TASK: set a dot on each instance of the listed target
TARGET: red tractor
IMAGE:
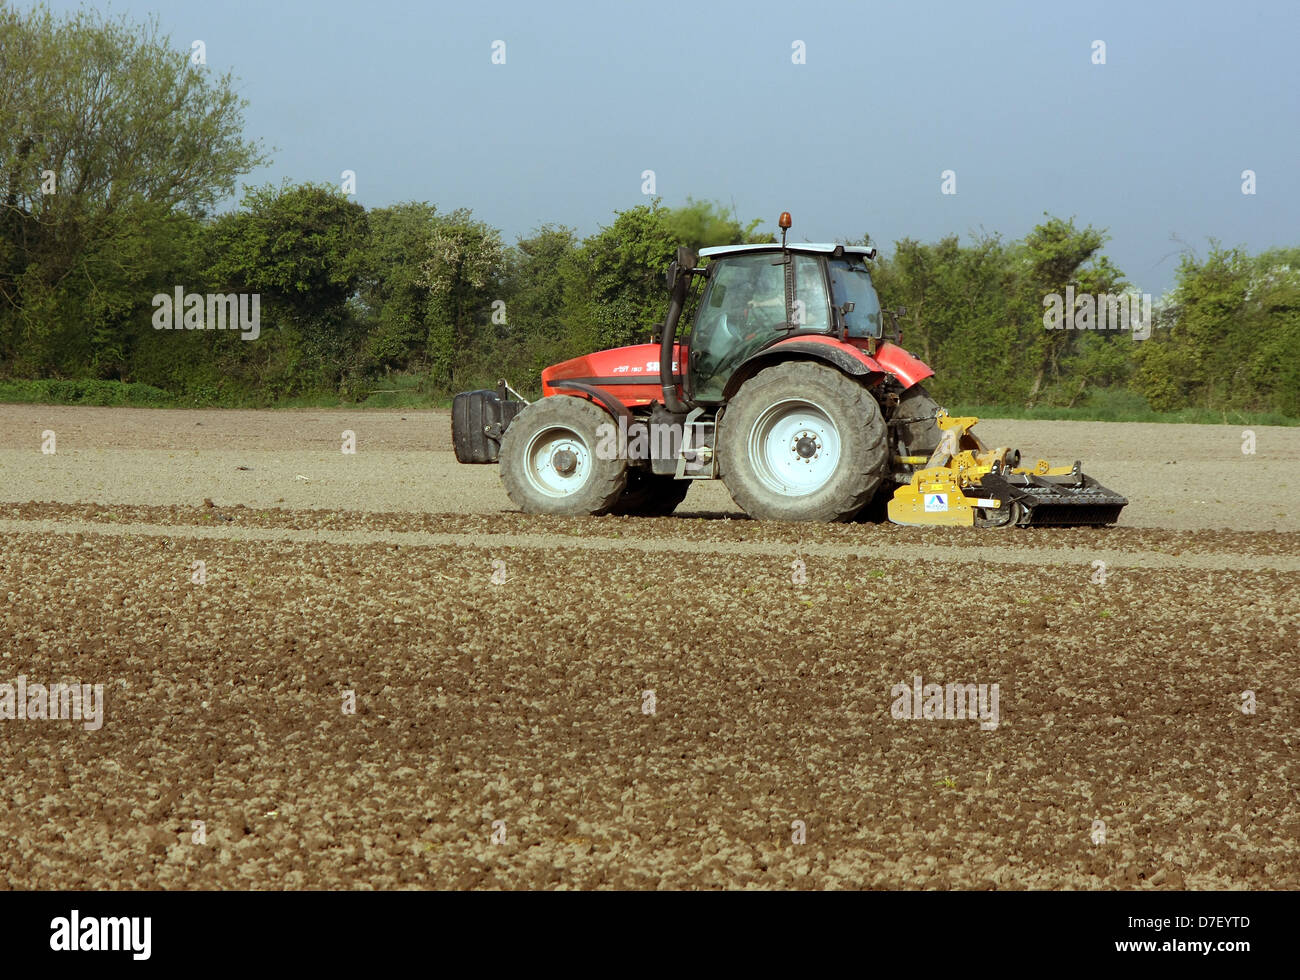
(786, 388)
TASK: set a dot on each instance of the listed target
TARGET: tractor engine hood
(625, 375)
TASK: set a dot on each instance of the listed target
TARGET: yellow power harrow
(964, 483)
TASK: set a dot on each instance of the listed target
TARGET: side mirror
(839, 318)
(671, 275)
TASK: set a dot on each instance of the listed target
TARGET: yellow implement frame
(937, 492)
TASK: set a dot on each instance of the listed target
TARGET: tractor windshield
(851, 283)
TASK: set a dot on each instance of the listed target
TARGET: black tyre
(550, 463)
(917, 436)
(650, 495)
(802, 442)
(877, 509)
(920, 433)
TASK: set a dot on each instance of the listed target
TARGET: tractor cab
(757, 295)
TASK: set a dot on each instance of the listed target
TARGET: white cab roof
(818, 247)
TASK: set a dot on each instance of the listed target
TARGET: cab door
(743, 310)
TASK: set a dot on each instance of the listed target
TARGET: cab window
(851, 283)
(810, 307)
(741, 311)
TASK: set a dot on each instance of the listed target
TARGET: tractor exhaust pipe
(679, 280)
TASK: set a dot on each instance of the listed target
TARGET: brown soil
(524, 702)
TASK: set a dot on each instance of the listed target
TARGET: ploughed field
(625, 702)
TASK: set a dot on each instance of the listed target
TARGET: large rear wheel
(802, 442)
(549, 459)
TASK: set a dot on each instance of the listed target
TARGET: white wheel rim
(547, 461)
(794, 448)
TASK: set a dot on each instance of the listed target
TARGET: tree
(108, 136)
(975, 313)
(391, 295)
(616, 287)
(301, 248)
(535, 281)
(957, 299)
(462, 261)
(1232, 333)
(1056, 255)
(700, 224)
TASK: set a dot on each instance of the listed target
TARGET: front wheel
(802, 442)
(552, 459)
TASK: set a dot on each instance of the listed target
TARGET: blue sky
(1149, 145)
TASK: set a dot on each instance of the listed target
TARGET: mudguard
(902, 365)
(851, 356)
